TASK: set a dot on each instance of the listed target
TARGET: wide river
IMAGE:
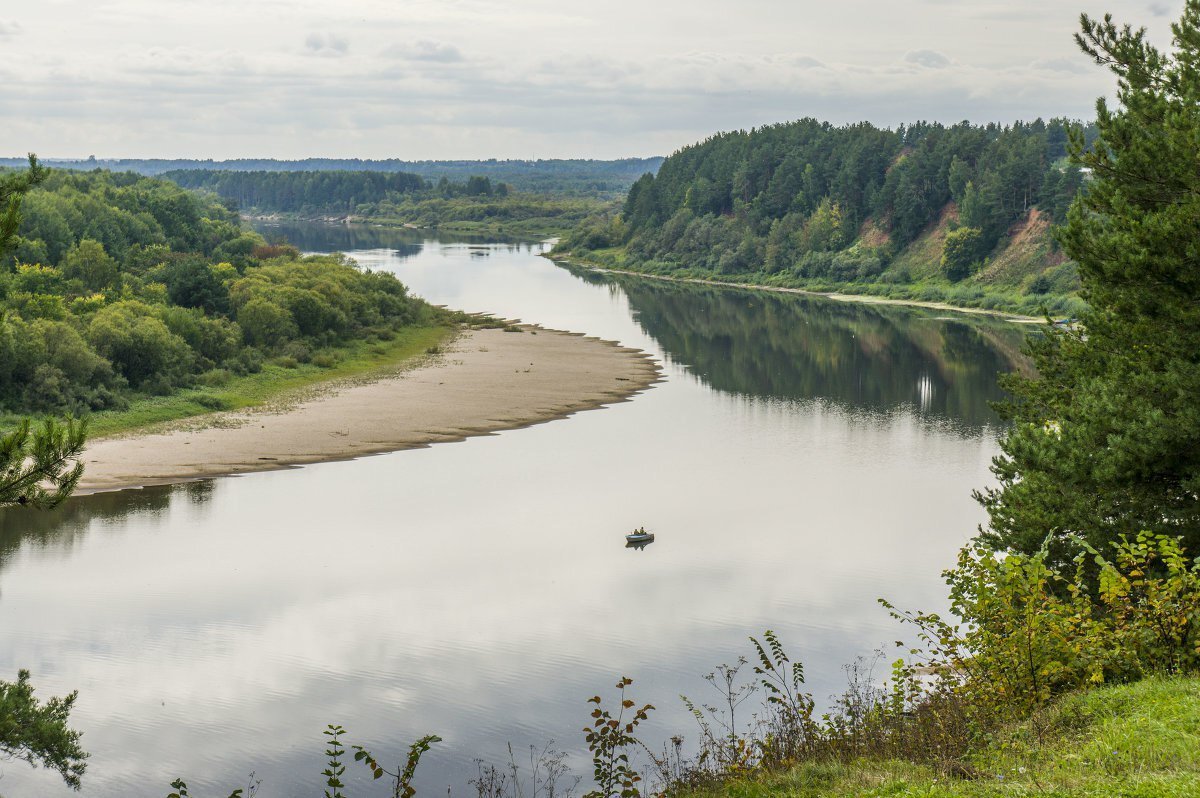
(802, 458)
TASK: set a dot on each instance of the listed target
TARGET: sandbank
(483, 382)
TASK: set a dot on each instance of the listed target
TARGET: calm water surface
(802, 458)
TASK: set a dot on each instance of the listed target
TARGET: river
(802, 458)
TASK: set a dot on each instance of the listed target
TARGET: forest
(561, 177)
(807, 202)
(120, 286)
(476, 204)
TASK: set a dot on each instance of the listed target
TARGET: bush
(1031, 630)
(139, 345)
(963, 249)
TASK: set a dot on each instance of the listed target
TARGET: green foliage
(477, 203)
(807, 187)
(558, 177)
(265, 323)
(335, 768)
(1105, 441)
(193, 283)
(964, 248)
(13, 188)
(609, 739)
(87, 262)
(1129, 741)
(1029, 630)
(138, 344)
(36, 732)
(401, 777)
(132, 299)
(39, 467)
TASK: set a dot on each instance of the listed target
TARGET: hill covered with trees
(929, 211)
(119, 287)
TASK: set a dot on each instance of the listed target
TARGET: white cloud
(425, 51)
(9, 28)
(522, 78)
(930, 59)
(327, 45)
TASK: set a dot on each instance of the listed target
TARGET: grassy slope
(275, 383)
(1129, 741)
(915, 272)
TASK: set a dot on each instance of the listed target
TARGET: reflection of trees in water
(865, 357)
(404, 242)
(313, 237)
(65, 526)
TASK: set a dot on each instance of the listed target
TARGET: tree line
(118, 285)
(561, 177)
(816, 200)
(323, 192)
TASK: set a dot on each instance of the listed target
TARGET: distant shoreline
(485, 381)
(865, 299)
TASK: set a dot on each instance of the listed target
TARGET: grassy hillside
(1131, 741)
(1026, 273)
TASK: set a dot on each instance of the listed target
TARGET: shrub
(1031, 630)
(963, 249)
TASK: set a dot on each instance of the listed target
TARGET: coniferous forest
(811, 204)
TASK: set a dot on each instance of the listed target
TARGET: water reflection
(402, 242)
(481, 590)
(862, 357)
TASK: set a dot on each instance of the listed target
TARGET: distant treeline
(320, 192)
(839, 203)
(576, 177)
(478, 204)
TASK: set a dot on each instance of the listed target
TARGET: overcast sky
(419, 79)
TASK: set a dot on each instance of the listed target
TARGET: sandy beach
(485, 381)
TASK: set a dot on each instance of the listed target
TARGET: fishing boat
(640, 535)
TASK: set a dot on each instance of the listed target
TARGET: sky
(440, 79)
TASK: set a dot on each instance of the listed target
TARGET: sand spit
(485, 381)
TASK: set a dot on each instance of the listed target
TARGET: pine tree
(1106, 440)
(13, 187)
(36, 471)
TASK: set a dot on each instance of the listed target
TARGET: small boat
(640, 535)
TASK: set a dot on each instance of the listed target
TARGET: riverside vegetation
(960, 214)
(135, 301)
(476, 206)
(1070, 662)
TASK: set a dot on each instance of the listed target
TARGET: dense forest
(121, 286)
(475, 205)
(559, 177)
(807, 201)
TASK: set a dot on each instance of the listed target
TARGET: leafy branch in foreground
(607, 740)
(13, 188)
(35, 464)
(335, 768)
(38, 733)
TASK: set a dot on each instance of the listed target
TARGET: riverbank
(1128, 740)
(867, 299)
(277, 380)
(522, 217)
(482, 382)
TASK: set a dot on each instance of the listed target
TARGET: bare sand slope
(487, 380)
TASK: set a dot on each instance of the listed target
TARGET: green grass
(1130, 741)
(278, 381)
(935, 289)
